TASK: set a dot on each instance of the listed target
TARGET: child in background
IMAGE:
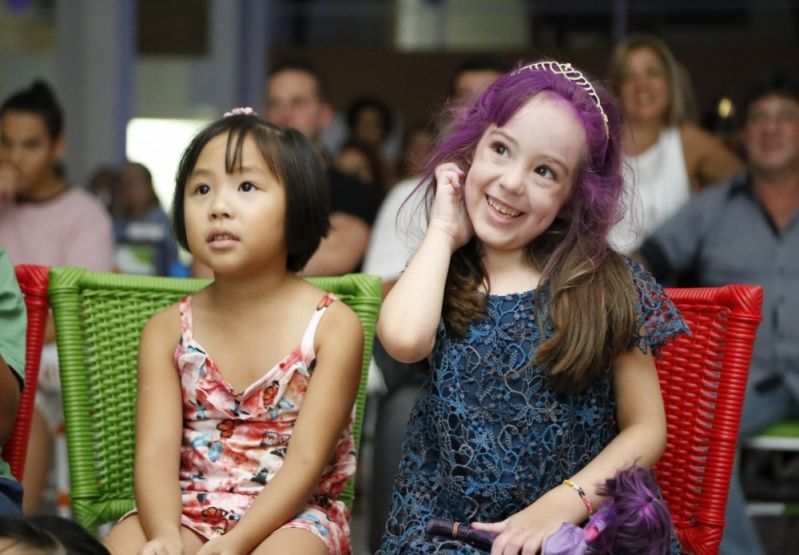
(540, 336)
(143, 238)
(241, 447)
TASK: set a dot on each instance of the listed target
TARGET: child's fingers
(490, 526)
(515, 542)
(449, 173)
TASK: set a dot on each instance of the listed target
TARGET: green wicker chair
(98, 319)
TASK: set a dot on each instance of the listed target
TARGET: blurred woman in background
(667, 157)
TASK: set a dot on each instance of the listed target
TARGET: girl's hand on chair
(449, 209)
(525, 532)
(162, 546)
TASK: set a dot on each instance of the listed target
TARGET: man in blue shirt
(747, 231)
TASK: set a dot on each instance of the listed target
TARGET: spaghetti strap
(186, 321)
(307, 345)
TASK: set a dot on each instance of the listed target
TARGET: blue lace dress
(488, 436)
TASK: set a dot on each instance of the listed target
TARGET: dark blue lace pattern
(488, 436)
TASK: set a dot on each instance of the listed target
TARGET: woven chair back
(703, 379)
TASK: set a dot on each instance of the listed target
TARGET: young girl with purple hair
(540, 336)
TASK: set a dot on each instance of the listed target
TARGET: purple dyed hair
(592, 298)
(595, 204)
(637, 521)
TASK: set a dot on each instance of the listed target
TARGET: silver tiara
(573, 75)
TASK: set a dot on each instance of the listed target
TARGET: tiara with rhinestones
(241, 111)
(574, 75)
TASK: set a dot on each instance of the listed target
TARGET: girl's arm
(708, 160)
(641, 441)
(410, 314)
(159, 427)
(325, 413)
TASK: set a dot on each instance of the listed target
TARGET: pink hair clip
(241, 111)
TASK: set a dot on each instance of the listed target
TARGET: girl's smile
(503, 210)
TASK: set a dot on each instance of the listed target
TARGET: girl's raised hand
(449, 209)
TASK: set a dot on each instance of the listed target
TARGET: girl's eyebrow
(200, 172)
(507, 136)
(558, 162)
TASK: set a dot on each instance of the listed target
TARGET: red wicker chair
(33, 283)
(703, 379)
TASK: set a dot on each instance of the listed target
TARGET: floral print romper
(234, 443)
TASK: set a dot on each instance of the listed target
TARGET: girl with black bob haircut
(250, 381)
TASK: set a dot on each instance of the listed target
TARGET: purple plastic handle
(448, 528)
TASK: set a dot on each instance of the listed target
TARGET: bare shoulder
(697, 140)
(707, 158)
(339, 321)
(163, 327)
(342, 315)
(340, 325)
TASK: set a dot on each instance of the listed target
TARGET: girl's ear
(466, 165)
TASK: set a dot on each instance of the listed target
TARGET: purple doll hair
(596, 201)
(637, 521)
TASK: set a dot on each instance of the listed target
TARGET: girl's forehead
(220, 154)
(226, 144)
(545, 113)
(21, 122)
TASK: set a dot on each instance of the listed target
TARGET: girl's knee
(292, 540)
(126, 537)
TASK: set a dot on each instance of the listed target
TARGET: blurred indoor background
(117, 65)
(137, 77)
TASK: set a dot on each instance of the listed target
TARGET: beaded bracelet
(581, 492)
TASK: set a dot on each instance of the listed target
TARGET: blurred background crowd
(118, 87)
